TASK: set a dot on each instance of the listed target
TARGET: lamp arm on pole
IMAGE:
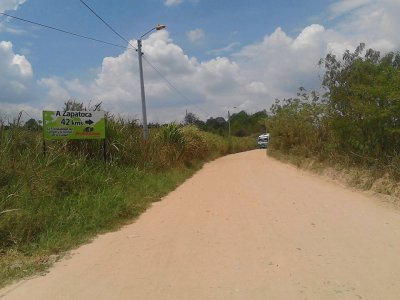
(147, 33)
(158, 27)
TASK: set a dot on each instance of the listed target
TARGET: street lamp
(140, 53)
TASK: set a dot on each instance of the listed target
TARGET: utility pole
(140, 53)
(145, 127)
(229, 122)
(265, 121)
(229, 125)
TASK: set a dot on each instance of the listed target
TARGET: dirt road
(244, 227)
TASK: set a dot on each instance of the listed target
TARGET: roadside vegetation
(354, 128)
(52, 203)
(242, 123)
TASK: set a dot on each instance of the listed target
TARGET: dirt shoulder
(245, 227)
(377, 183)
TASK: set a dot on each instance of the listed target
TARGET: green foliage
(196, 144)
(364, 103)
(192, 119)
(298, 125)
(172, 143)
(217, 125)
(356, 121)
(242, 124)
(172, 134)
(32, 124)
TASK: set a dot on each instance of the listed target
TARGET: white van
(262, 141)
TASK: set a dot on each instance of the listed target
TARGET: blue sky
(225, 22)
(217, 54)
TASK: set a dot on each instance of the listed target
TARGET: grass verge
(113, 198)
(373, 180)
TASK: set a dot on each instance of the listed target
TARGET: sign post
(74, 125)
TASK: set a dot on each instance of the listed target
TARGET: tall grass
(54, 202)
(301, 134)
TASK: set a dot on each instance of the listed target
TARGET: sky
(214, 55)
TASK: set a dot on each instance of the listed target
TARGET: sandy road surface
(244, 227)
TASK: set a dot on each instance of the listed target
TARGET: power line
(66, 32)
(108, 25)
(27, 114)
(172, 86)
(104, 42)
(124, 39)
(163, 77)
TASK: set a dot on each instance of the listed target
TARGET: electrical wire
(172, 86)
(66, 32)
(27, 114)
(108, 25)
(99, 41)
(104, 42)
(151, 65)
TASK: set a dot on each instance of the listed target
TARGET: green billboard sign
(74, 125)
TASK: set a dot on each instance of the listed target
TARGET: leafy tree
(357, 119)
(298, 124)
(216, 125)
(74, 105)
(192, 119)
(244, 124)
(364, 102)
(32, 125)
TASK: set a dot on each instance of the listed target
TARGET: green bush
(355, 122)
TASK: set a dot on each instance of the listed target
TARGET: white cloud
(6, 5)
(375, 23)
(10, 4)
(257, 87)
(8, 29)
(117, 83)
(9, 112)
(55, 88)
(15, 75)
(345, 6)
(196, 35)
(277, 66)
(311, 35)
(172, 2)
(227, 49)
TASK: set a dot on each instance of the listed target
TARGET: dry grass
(364, 179)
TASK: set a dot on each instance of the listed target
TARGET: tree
(364, 102)
(216, 125)
(192, 119)
(32, 125)
(297, 125)
(74, 105)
